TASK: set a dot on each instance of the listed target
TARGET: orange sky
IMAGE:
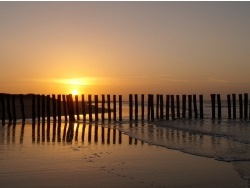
(124, 47)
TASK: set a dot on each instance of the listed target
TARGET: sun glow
(75, 92)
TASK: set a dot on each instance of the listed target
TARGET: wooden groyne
(88, 107)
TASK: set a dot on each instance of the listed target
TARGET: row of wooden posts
(65, 106)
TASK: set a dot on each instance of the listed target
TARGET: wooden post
(33, 108)
(22, 107)
(43, 108)
(65, 108)
(90, 107)
(195, 107)
(8, 108)
(201, 106)
(213, 105)
(3, 107)
(130, 106)
(184, 97)
(142, 106)
(136, 107)
(77, 108)
(152, 107)
(149, 96)
(234, 106)
(229, 106)
(120, 107)
(38, 98)
(157, 105)
(96, 108)
(167, 106)
(48, 107)
(161, 106)
(219, 105)
(109, 109)
(54, 106)
(83, 108)
(178, 106)
(103, 107)
(172, 107)
(114, 107)
(241, 106)
(245, 106)
(190, 106)
(59, 113)
(13, 107)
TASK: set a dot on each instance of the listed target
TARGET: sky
(125, 47)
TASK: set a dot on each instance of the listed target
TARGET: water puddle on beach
(121, 154)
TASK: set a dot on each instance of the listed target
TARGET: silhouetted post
(157, 105)
(201, 106)
(213, 105)
(229, 106)
(13, 100)
(114, 107)
(48, 107)
(120, 107)
(167, 106)
(103, 107)
(83, 108)
(109, 109)
(54, 106)
(38, 98)
(65, 108)
(59, 113)
(241, 106)
(8, 108)
(136, 107)
(142, 106)
(234, 106)
(3, 107)
(245, 105)
(178, 105)
(130, 106)
(77, 108)
(161, 106)
(149, 106)
(152, 107)
(90, 107)
(195, 107)
(190, 106)
(96, 108)
(33, 107)
(219, 105)
(43, 108)
(184, 98)
(22, 107)
(172, 107)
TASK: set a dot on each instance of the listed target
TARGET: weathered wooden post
(190, 106)
(120, 107)
(213, 105)
(167, 106)
(172, 107)
(195, 107)
(149, 108)
(13, 100)
(96, 108)
(54, 106)
(142, 106)
(184, 97)
(152, 107)
(22, 107)
(136, 107)
(48, 107)
(241, 106)
(234, 106)
(130, 106)
(8, 108)
(178, 105)
(43, 108)
(161, 106)
(77, 108)
(38, 98)
(103, 107)
(109, 108)
(114, 107)
(65, 108)
(219, 105)
(33, 108)
(245, 105)
(201, 106)
(229, 106)
(90, 107)
(83, 108)
(157, 105)
(3, 107)
(59, 113)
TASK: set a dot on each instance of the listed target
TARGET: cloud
(218, 80)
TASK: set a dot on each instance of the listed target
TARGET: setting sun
(75, 92)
